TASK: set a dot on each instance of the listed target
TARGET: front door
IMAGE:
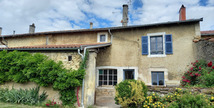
(128, 74)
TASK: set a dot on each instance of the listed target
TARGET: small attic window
(102, 37)
(69, 58)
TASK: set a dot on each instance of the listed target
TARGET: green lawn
(10, 105)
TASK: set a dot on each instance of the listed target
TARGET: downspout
(111, 35)
(83, 84)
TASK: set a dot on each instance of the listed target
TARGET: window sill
(156, 56)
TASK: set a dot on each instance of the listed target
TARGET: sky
(54, 15)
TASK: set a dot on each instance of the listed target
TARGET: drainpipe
(111, 35)
(83, 84)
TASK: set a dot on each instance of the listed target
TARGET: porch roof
(57, 47)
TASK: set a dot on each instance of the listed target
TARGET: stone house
(157, 54)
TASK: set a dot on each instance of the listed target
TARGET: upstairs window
(102, 37)
(157, 45)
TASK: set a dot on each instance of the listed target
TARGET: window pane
(110, 77)
(110, 72)
(156, 45)
(161, 78)
(100, 83)
(160, 45)
(100, 77)
(129, 74)
(115, 72)
(152, 45)
(115, 77)
(100, 71)
(105, 77)
(102, 38)
(115, 82)
(154, 78)
(110, 83)
(105, 83)
(105, 72)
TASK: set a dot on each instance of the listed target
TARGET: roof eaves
(38, 49)
(211, 34)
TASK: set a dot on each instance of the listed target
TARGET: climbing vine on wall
(23, 67)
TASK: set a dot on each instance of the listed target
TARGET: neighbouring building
(157, 54)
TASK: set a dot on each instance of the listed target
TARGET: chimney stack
(32, 28)
(0, 31)
(91, 25)
(182, 13)
(125, 15)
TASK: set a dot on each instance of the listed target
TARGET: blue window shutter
(168, 44)
(144, 45)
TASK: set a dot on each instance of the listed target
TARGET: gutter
(207, 34)
(38, 49)
(111, 35)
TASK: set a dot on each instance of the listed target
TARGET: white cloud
(154, 11)
(51, 15)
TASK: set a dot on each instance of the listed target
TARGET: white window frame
(102, 33)
(156, 34)
(107, 77)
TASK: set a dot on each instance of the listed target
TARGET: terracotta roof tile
(207, 32)
(72, 46)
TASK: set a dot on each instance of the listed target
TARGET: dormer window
(102, 37)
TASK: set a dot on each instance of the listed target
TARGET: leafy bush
(23, 96)
(130, 93)
(22, 67)
(201, 73)
(189, 100)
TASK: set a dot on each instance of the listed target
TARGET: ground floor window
(157, 78)
(128, 74)
(107, 77)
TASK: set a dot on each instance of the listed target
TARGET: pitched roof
(105, 29)
(206, 33)
(57, 47)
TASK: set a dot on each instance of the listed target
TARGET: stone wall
(105, 91)
(205, 50)
(165, 90)
(63, 57)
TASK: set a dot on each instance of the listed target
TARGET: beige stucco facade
(56, 39)
(126, 51)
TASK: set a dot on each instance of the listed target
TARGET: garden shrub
(22, 67)
(130, 93)
(22, 96)
(200, 74)
(189, 100)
